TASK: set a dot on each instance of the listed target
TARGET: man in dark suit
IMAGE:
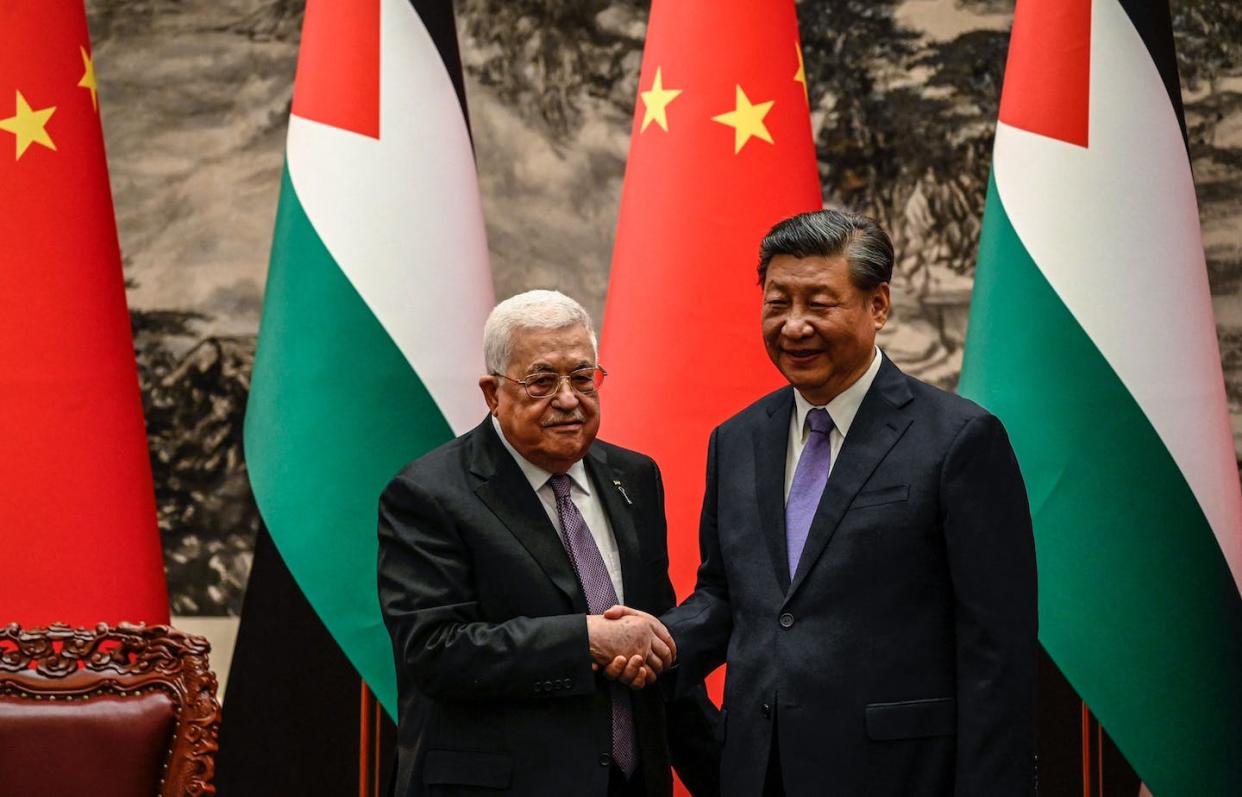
(499, 552)
(867, 557)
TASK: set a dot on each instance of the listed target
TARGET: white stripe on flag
(402, 217)
(1115, 229)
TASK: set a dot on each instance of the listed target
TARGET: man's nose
(795, 325)
(564, 397)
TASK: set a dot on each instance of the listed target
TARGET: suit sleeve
(693, 720)
(991, 551)
(439, 636)
(701, 625)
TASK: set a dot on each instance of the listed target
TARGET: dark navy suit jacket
(900, 659)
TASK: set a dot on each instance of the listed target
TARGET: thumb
(615, 613)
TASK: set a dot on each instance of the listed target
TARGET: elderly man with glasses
(499, 553)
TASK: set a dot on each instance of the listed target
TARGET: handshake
(630, 646)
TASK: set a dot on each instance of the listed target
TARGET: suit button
(786, 620)
(766, 711)
(605, 760)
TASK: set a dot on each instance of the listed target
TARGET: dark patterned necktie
(809, 480)
(600, 594)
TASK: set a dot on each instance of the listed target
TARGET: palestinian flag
(77, 506)
(370, 347)
(1091, 335)
(720, 150)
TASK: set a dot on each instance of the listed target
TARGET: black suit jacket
(487, 619)
(900, 659)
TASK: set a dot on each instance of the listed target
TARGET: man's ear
(880, 304)
(489, 385)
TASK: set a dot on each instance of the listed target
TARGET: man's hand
(657, 628)
(621, 668)
(632, 646)
(632, 672)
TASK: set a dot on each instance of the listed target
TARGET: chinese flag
(720, 151)
(77, 509)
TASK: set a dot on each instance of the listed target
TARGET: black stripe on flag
(437, 17)
(1152, 21)
(291, 709)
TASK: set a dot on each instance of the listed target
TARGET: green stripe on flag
(335, 410)
(1136, 602)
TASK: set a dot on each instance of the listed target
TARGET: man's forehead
(809, 273)
(537, 349)
(558, 364)
(788, 267)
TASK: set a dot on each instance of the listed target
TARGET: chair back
(110, 712)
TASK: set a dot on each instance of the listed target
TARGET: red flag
(77, 508)
(720, 151)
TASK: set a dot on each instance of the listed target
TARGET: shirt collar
(844, 407)
(536, 475)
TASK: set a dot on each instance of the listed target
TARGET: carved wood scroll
(63, 662)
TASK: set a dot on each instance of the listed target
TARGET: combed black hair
(828, 233)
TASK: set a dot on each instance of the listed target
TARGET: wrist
(595, 633)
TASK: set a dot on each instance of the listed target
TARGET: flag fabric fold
(721, 150)
(77, 504)
(369, 349)
(1092, 336)
(371, 338)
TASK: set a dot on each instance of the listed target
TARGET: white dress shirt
(841, 409)
(584, 497)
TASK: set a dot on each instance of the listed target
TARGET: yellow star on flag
(88, 79)
(746, 120)
(656, 100)
(29, 126)
(800, 75)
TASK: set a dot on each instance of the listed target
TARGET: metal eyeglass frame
(597, 383)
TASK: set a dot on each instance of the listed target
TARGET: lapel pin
(621, 490)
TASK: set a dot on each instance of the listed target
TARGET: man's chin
(568, 441)
(562, 454)
(811, 384)
(804, 375)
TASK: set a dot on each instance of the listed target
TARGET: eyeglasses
(584, 381)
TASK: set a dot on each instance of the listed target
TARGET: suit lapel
(771, 445)
(877, 427)
(608, 483)
(505, 490)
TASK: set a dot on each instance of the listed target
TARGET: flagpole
(1086, 750)
(1099, 752)
(364, 741)
(377, 745)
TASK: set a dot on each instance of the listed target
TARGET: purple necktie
(808, 485)
(600, 595)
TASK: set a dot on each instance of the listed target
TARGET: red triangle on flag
(1048, 75)
(338, 80)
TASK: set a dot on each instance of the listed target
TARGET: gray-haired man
(499, 553)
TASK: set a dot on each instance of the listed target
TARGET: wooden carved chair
(128, 711)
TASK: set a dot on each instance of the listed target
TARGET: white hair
(531, 310)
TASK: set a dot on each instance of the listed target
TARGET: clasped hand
(630, 646)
